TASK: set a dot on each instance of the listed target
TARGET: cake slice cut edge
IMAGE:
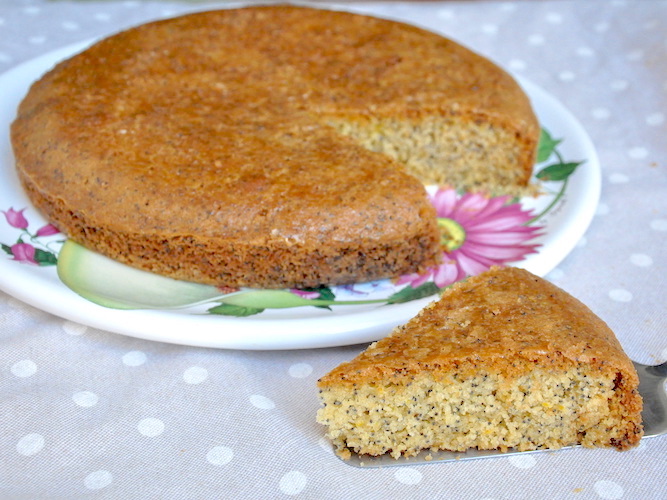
(503, 360)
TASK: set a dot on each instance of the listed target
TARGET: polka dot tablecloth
(85, 413)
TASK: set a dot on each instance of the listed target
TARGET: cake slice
(503, 360)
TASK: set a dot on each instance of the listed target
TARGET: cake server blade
(654, 417)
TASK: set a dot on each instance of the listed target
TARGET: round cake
(269, 146)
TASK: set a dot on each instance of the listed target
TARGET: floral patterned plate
(38, 266)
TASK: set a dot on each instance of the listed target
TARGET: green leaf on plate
(326, 294)
(112, 284)
(408, 293)
(546, 146)
(268, 299)
(234, 310)
(7, 249)
(558, 171)
(44, 258)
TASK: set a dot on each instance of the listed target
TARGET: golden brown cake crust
(199, 147)
(499, 314)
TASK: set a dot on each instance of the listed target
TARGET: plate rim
(259, 332)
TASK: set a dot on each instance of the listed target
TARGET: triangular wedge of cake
(502, 360)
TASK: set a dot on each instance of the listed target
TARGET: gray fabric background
(89, 414)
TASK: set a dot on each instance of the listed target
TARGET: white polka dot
(5, 58)
(601, 113)
(523, 461)
(508, 7)
(98, 480)
(536, 39)
(220, 455)
(262, 402)
(37, 40)
(151, 427)
(85, 399)
(641, 260)
(583, 241)
(659, 224)
(72, 328)
(554, 18)
(620, 295)
(602, 209)
(134, 358)
(70, 25)
(408, 475)
(24, 368)
(618, 178)
(489, 29)
(102, 16)
(131, 3)
(566, 76)
(195, 375)
(293, 482)
(445, 14)
(516, 64)
(30, 444)
(300, 370)
(601, 27)
(619, 85)
(585, 52)
(31, 11)
(655, 119)
(637, 153)
(652, 24)
(608, 490)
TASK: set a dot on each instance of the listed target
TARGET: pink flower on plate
(15, 218)
(477, 232)
(48, 230)
(24, 252)
(305, 294)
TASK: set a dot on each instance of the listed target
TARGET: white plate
(304, 327)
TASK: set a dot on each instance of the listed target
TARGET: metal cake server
(654, 415)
